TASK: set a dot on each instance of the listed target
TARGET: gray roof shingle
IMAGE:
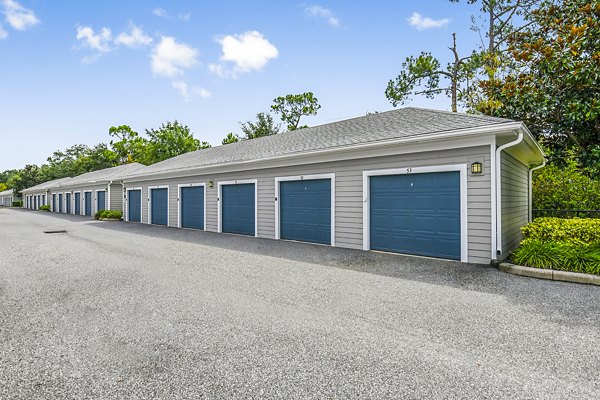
(104, 175)
(395, 124)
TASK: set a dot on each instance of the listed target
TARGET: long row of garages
(368, 183)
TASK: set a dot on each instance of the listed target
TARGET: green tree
(555, 85)
(127, 144)
(565, 188)
(458, 79)
(230, 138)
(170, 140)
(24, 178)
(293, 107)
(6, 175)
(264, 126)
(3, 186)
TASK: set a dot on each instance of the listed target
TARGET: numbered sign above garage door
(419, 213)
(237, 207)
(159, 206)
(305, 208)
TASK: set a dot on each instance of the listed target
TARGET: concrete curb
(550, 274)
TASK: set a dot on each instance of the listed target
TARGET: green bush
(560, 230)
(565, 188)
(44, 208)
(561, 244)
(17, 204)
(112, 214)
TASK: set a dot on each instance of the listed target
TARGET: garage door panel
(238, 209)
(101, 198)
(305, 210)
(78, 203)
(416, 214)
(159, 200)
(134, 205)
(192, 207)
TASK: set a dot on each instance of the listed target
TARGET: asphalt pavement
(113, 310)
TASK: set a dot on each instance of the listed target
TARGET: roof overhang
(430, 142)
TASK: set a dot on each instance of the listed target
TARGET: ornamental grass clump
(561, 244)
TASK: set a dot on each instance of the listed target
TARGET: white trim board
(150, 189)
(126, 202)
(278, 180)
(219, 202)
(184, 185)
(462, 168)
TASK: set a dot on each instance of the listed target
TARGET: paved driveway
(116, 310)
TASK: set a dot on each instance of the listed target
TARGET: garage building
(39, 195)
(412, 181)
(7, 198)
(91, 192)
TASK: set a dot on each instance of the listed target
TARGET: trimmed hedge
(561, 244)
(570, 231)
(44, 208)
(112, 214)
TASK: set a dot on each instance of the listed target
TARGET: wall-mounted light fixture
(476, 168)
(211, 184)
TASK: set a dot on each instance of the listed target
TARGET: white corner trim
(150, 188)
(464, 227)
(280, 179)
(184, 185)
(220, 203)
(126, 201)
(498, 232)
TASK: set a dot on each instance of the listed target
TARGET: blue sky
(71, 69)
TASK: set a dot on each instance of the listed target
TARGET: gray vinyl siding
(349, 194)
(116, 197)
(515, 201)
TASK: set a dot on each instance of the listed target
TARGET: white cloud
(135, 38)
(99, 42)
(170, 58)
(17, 16)
(248, 51)
(184, 17)
(187, 93)
(160, 12)
(3, 33)
(320, 12)
(422, 23)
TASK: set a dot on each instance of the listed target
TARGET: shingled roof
(104, 175)
(46, 185)
(395, 124)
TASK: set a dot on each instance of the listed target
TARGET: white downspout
(108, 195)
(499, 191)
(543, 164)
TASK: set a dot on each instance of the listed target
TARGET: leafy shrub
(566, 188)
(17, 204)
(44, 208)
(561, 244)
(570, 231)
(112, 214)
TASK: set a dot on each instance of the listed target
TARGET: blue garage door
(44, 199)
(159, 199)
(87, 203)
(78, 203)
(38, 201)
(68, 203)
(238, 209)
(305, 210)
(416, 214)
(192, 207)
(134, 205)
(101, 200)
(34, 202)
(60, 202)
(54, 202)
